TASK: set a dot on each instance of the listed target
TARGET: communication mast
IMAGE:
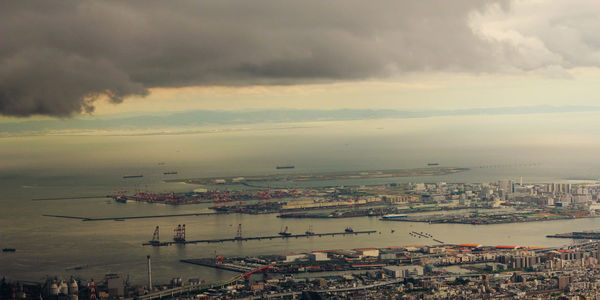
(93, 291)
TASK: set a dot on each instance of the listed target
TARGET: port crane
(155, 236)
(218, 259)
(156, 239)
(179, 234)
(310, 230)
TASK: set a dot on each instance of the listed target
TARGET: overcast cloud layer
(57, 57)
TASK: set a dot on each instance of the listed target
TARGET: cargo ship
(120, 199)
(433, 164)
(170, 173)
(393, 216)
(285, 167)
(133, 176)
(9, 250)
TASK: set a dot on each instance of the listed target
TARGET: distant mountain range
(208, 117)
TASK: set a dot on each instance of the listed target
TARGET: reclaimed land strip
(135, 217)
(65, 217)
(325, 176)
(258, 238)
(71, 198)
(577, 235)
(369, 212)
(481, 222)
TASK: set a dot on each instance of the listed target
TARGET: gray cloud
(57, 57)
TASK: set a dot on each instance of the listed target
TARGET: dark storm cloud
(57, 57)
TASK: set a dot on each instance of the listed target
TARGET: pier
(137, 217)
(71, 198)
(258, 238)
(577, 235)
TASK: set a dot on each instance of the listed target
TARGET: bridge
(172, 292)
(188, 289)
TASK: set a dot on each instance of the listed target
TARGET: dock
(86, 219)
(71, 198)
(258, 238)
(577, 235)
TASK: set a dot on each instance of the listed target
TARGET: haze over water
(56, 166)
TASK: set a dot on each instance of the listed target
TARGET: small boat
(121, 199)
(170, 173)
(285, 167)
(76, 268)
(133, 176)
(9, 250)
(433, 164)
(349, 229)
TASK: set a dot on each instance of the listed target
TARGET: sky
(91, 60)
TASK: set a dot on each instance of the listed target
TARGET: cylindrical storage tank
(73, 287)
(63, 288)
(53, 289)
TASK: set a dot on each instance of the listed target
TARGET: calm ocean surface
(56, 166)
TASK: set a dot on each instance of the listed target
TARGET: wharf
(136, 217)
(71, 198)
(258, 238)
(576, 235)
(487, 219)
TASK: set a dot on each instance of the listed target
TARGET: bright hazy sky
(64, 59)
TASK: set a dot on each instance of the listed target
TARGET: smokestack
(149, 274)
